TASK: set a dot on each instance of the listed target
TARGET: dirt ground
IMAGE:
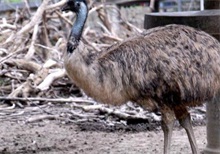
(59, 137)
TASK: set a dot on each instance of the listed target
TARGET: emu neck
(76, 31)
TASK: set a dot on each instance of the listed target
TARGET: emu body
(175, 65)
(170, 68)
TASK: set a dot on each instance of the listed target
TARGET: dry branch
(6, 25)
(11, 55)
(113, 111)
(64, 18)
(49, 63)
(31, 50)
(56, 5)
(8, 108)
(57, 100)
(35, 19)
(42, 117)
(25, 64)
(50, 79)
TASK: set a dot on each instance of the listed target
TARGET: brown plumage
(169, 68)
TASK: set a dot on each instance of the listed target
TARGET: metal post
(201, 5)
(213, 126)
(213, 107)
(179, 5)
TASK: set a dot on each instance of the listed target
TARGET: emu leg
(167, 123)
(187, 125)
(185, 121)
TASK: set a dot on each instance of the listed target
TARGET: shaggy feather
(175, 64)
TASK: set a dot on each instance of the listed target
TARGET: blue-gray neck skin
(77, 28)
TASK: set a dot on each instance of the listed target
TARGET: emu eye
(78, 4)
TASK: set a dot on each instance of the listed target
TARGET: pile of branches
(31, 49)
(32, 44)
(31, 64)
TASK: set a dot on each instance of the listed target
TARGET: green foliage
(12, 1)
(1, 81)
(4, 81)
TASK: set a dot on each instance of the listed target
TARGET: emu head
(73, 5)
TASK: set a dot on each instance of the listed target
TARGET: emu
(168, 68)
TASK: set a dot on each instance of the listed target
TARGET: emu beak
(65, 7)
